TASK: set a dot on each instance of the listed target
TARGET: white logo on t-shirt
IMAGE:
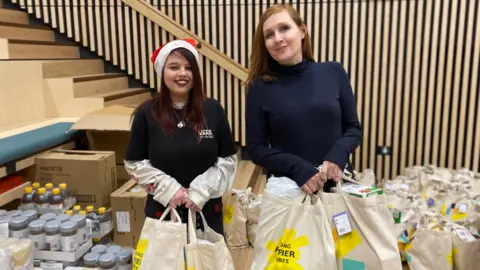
(206, 134)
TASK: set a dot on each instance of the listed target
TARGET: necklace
(180, 124)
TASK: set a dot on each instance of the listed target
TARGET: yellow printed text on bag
(141, 248)
(286, 252)
(228, 215)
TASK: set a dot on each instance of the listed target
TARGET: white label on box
(342, 223)
(51, 266)
(404, 186)
(123, 221)
(462, 208)
(4, 230)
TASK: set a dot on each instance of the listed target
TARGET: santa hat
(160, 55)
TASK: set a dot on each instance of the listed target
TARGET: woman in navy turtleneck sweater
(299, 114)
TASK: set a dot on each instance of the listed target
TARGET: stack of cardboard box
(98, 177)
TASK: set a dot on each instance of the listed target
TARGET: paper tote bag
(166, 245)
(206, 250)
(148, 230)
(371, 242)
(466, 254)
(235, 221)
(293, 235)
(430, 250)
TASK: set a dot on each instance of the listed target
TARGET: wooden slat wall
(125, 38)
(414, 64)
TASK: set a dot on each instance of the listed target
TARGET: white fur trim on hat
(167, 49)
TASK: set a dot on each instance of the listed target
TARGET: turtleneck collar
(277, 68)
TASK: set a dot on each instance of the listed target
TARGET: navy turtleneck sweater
(306, 116)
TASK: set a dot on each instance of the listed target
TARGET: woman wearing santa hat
(181, 147)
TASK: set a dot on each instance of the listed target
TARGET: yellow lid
(101, 210)
(28, 190)
(63, 186)
(77, 207)
(48, 185)
(41, 190)
(69, 212)
(89, 208)
(82, 213)
(56, 191)
(36, 185)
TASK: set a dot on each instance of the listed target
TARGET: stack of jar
(47, 199)
(49, 231)
(99, 221)
(112, 257)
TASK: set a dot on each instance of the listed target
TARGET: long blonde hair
(258, 67)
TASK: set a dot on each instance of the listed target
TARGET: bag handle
(192, 221)
(173, 215)
(345, 176)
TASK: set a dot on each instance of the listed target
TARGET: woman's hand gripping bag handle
(161, 242)
(206, 250)
(362, 228)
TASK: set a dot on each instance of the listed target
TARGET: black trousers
(212, 211)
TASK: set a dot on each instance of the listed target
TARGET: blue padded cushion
(27, 143)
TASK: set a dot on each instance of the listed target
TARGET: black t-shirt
(180, 155)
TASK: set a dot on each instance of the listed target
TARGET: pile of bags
(436, 212)
(429, 218)
(350, 229)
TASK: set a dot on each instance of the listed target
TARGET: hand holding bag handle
(346, 176)
(174, 216)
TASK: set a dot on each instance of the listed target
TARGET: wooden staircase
(71, 86)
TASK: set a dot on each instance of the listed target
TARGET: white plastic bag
(284, 187)
(16, 254)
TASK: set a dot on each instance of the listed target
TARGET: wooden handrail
(176, 29)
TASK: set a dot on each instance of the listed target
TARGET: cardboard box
(122, 176)
(90, 175)
(128, 214)
(361, 191)
(108, 129)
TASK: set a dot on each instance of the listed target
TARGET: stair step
(96, 84)
(96, 77)
(69, 68)
(29, 49)
(133, 100)
(17, 31)
(13, 16)
(118, 94)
